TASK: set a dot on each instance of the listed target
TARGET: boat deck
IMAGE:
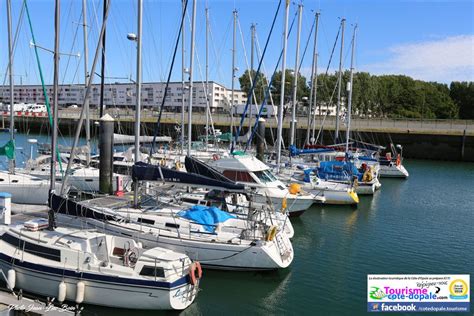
(110, 201)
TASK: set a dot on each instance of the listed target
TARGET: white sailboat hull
(224, 256)
(337, 197)
(296, 204)
(26, 189)
(393, 171)
(45, 281)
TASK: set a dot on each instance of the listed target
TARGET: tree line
(388, 96)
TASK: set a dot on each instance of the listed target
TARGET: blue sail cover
(296, 152)
(338, 170)
(307, 174)
(208, 217)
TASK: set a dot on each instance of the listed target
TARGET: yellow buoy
(283, 204)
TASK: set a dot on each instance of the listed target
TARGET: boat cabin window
(158, 272)
(145, 221)
(34, 249)
(239, 176)
(265, 176)
(172, 225)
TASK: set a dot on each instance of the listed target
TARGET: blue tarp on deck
(208, 217)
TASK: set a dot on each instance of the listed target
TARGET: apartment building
(123, 95)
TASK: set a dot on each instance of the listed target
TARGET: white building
(122, 95)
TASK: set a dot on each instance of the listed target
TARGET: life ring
(398, 160)
(130, 257)
(194, 268)
(215, 157)
(271, 233)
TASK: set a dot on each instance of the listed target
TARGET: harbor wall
(419, 144)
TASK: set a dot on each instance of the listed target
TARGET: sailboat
(19, 185)
(252, 172)
(87, 266)
(91, 267)
(221, 241)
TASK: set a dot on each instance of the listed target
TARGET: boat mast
(51, 221)
(349, 89)
(207, 77)
(102, 67)
(338, 106)
(282, 94)
(191, 62)
(183, 75)
(252, 49)
(138, 95)
(295, 79)
(234, 36)
(11, 163)
(86, 77)
(86, 100)
(314, 85)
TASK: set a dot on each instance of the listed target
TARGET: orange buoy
(294, 188)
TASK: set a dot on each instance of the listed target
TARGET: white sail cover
(130, 139)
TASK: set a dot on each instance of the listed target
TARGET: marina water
(422, 225)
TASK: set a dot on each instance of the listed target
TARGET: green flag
(8, 150)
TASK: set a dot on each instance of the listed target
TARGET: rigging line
(333, 48)
(242, 119)
(157, 51)
(157, 126)
(71, 50)
(266, 84)
(306, 46)
(254, 129)
(63, 38)
(15, 41)
(246, 58)
(330, 101)
(206, 91)
(327, 112)
(264, 68)
(218, 54)
(124, 57)
(45, 94)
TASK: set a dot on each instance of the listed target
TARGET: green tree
(462, 94)
(260, 85)
(302, 88)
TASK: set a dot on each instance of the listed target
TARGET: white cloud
(443, 60)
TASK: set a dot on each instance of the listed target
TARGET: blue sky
(428, 40)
